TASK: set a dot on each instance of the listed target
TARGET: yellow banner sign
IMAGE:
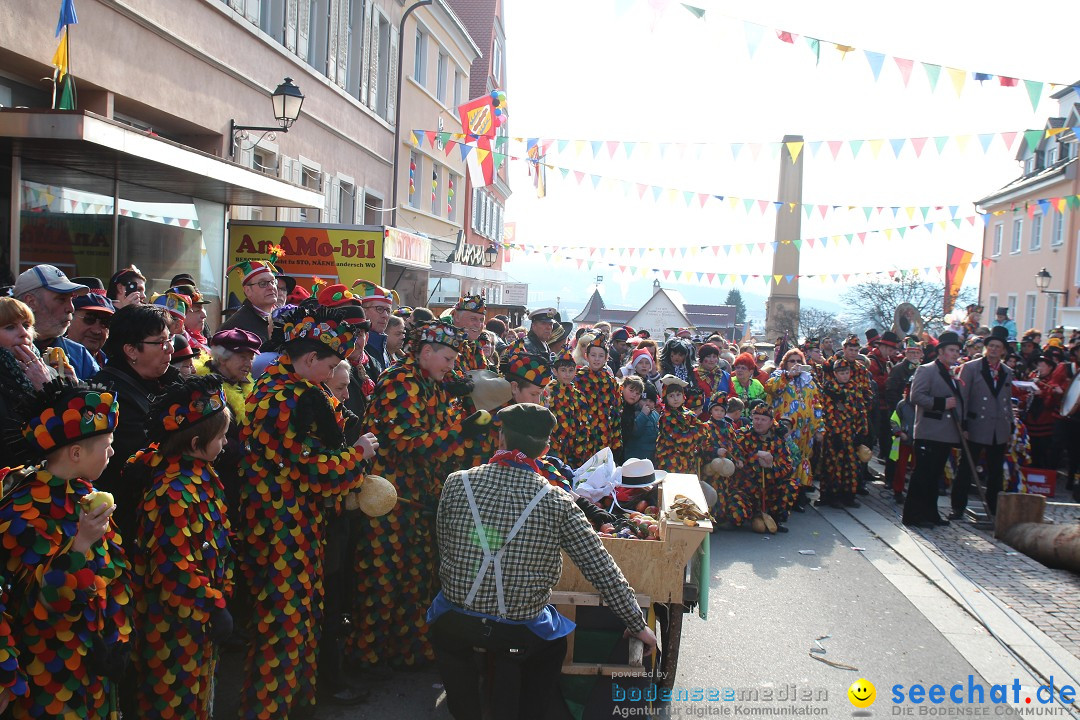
(333, 253)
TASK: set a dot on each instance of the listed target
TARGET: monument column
(782, 310)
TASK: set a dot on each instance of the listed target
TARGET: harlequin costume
(797, 399)
(603, 403)
(297, 457)
(471, 357)
(720, 436)
(419, 431)
(61, 603)
(708, 383)
(682, 437)
(778, 483)
(567, 404)
(182, 562)
(843, 414)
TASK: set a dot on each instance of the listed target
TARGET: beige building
(438, 53)
(1028, 231)
(142, 172)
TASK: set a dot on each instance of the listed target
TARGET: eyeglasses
(263, 284)
(95, 319)
(165, 344)
(381, 310)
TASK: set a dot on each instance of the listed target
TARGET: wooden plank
(560, 599)
(606, 670)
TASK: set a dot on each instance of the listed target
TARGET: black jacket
(248, 318)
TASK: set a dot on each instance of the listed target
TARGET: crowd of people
(232, 458)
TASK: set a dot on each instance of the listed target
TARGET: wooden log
(1015, 508)
(1056, 546)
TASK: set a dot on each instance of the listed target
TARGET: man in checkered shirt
(496, 582)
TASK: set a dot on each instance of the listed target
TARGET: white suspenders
(495, 559)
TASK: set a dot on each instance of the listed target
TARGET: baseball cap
(94, 302)
(48, 277)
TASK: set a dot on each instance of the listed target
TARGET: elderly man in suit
(938, 403)
(986, 388)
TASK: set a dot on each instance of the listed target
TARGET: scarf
(515, 459)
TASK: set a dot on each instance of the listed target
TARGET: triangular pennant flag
(940, 142)
(565, 172)
(777, 278)
(962, 142)
(656, 191)
(431, 136)
(918, 144)
(1010, 137)
(789, 278)
(958, 77)
(933, 72)
(702, 198)
(815, 47)
(612, 146)
(628, 148)
(579, 147)
(1034, 91)
(415, 138)
(595, 181)
(641, 188)
(875, 147)
(904, 66)
(561, 145)
(897, 145)
(985, 139)
(1032, 138)
(875, 59)
(856, 146)
(735, 148)
(753, 36)
(794, 148)
(579, 176)
(834, 147)
(596, 146)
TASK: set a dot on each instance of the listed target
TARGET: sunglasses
(95, 318)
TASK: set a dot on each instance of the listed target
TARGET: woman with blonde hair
(22, 371)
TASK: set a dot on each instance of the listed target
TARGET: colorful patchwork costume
(182, 566)
(797, 399)
(297, 457)
(778, 482)
(603, 404)
(61, 603)
(844, 416)
(681, 441)
(419, 431)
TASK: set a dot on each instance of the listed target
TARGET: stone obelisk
(782, 309)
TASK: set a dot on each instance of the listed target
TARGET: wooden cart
(657, 571)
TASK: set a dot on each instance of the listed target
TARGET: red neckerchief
(515, 458)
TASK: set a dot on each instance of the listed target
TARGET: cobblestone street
(1048, 598)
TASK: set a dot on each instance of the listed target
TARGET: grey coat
(988, 416)
(931, 386)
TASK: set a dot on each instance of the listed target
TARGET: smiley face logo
(862, 693)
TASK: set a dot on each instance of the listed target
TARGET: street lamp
(1042, 281)
(491, 255)
(397, 104)
(287, 100)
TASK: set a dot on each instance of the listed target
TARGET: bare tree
(873, 304)
(817, 323)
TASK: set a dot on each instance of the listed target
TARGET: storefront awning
(64, 148)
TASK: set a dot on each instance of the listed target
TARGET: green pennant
(1073, 201)
(797, 244)
(933, 72)
(850, 238)
(815, 47)
(695, 11)
(856, 146)
(1032, 138)
(1034, 90)
(940, 141)
(868, 211)
(901, 230)
(444, 137)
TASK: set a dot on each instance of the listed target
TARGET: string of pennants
(875, 60)
(598, 149)
(720, 278)
(42, 200)
(692, 198)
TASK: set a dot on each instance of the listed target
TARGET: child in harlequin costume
(793, 396)
(764, 473)
(567, 404)
(297, 457)
(419, 428)
(720, 435)
(682, 437)
(744, 385)
(973, 319)
(709, 378)
(182, 557)
(70, 598)
(840, 464)
(602, 398)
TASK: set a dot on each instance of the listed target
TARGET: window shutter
(251, 12)
(391, 83)
(474, 205)
(367, 50)
(359, 203)
(373, 65)
(343, 45)
(333, 41)
(292, 9)
(332, 201)
(297, 178)
(303, 30)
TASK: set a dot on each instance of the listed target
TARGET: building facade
(1033, 227)
(147, 170)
